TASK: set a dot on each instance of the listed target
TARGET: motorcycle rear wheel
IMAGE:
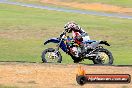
(102, 55)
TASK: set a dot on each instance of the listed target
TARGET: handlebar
(63, 33)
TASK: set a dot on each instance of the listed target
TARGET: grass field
(1, 86)
(23, 31)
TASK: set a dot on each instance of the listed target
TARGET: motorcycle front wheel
(50, 56)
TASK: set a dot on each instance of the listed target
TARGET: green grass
(23, 31)
(2, 86)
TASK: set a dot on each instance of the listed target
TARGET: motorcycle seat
(89, 41)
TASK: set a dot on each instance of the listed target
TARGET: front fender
(53, 40)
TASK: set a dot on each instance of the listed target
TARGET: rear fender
(104, 42)
(95, 44)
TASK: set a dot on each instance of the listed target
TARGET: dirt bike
(94, 51)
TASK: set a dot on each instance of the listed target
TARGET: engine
(76, 51)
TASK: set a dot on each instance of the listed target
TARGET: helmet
(71, 26)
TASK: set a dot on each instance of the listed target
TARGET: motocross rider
(78, 34)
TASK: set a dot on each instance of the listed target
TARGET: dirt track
(37, 75)
(90, 6)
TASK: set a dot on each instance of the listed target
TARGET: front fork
(58, 46)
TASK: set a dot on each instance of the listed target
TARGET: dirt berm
(40, 75)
